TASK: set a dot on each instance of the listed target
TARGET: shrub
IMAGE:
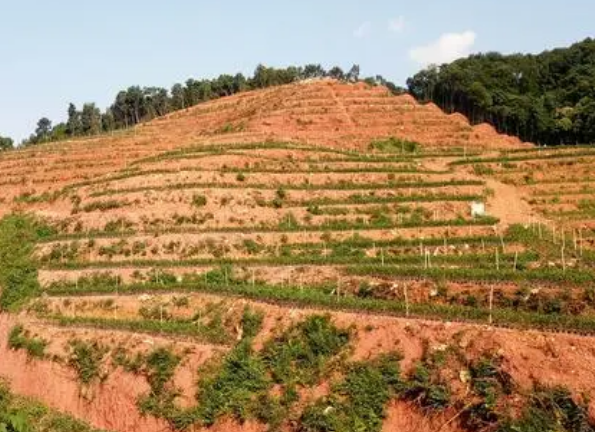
(395, 145)
(86, 359)
(18, 271)
(199, 200)
(19, 339)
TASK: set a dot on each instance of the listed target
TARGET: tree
(313, 71)
(6, 143)
(337, 73)
(177, 97)
(353, 74)
(73, 124)
(545, 98)
(90, 119)
(43, 130)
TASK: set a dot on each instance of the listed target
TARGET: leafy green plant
(19, 338)
(86, 359)
(199, 200)
(395, 145)
(300, 355)
(18, 270)
(160, 366)
(358, 402)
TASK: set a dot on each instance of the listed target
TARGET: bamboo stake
(491, 303)
(516, 258)
(540, 232)
(406, 300)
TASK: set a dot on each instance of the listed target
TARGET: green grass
(287, 224)
(358, 402)
(300, 187)
(322, 297)
(550, 410)
(86, 359)
(20, 339)
(19, 414)
(200, 332)
(395, 145)
(18, 271)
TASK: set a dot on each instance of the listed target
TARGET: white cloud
(363, 30)
(396, 25)
(449, 47)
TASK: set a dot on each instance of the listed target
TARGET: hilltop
(320, 112)
(301, 258)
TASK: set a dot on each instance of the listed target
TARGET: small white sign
(478, 209)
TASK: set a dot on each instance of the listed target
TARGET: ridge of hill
(321, 112)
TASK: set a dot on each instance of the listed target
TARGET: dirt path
(507, 202)
(342, 108)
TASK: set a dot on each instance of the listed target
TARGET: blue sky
(79, 51)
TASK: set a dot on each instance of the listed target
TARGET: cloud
(363, 30)
(396, 25)
(448, 47)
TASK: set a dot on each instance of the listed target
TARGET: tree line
(138, 104)
(547, 98)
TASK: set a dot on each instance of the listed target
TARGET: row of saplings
(240, 385)
(540, 300)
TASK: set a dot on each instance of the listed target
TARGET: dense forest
(547, 98)
(137, 104)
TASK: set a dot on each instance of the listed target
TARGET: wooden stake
(491, 303)
(406, 300)
(516, 258)
(540, 232)
(563, 259)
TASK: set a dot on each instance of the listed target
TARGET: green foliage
(300, 355)
(160, 366)
(199, 200)
(18, 271)
(482, 170)
(19, 414)
(395, 145)
(230, 389)
(541, 98)
(426, 388)
(550, 410)
(86, 359)
(19, 338)
(103, 205)
(357, 404)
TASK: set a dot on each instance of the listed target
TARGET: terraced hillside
(275, 261)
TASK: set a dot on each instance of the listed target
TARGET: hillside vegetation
(547, 98)
(300, 258)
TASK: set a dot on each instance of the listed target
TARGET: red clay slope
(323, 112)
(331, 113)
